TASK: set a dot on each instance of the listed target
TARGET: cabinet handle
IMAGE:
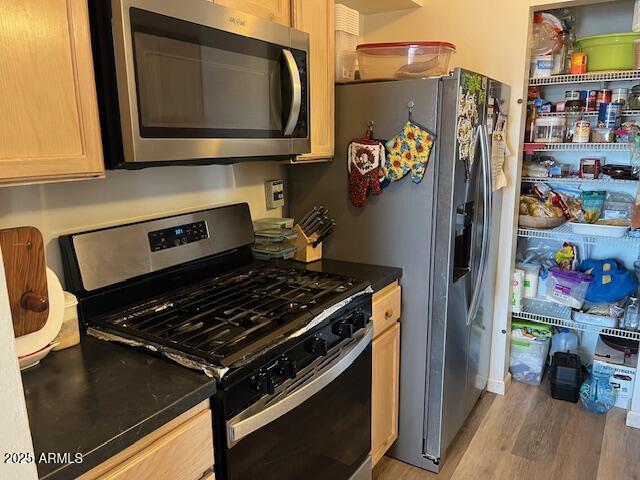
(388, 313)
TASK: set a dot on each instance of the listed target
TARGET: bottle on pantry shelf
(564, 341)
(631, 319)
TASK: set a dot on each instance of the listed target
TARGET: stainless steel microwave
(189, 81)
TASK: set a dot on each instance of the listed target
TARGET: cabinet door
(49, 126)
(316, 18)
(385, 389)
(274, 10)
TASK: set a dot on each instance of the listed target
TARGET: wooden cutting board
(25, 269)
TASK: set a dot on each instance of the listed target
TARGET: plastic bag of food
(567, 256)
(592, 205)
(618, 207)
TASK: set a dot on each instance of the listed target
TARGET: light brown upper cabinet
(278, 11)
(316, 18)
(49, 124)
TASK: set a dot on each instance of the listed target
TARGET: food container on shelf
(603, 135)
(634, 98)
(567, 287)
(614, 231)
(347, 36)
(549, 130)
(620, 95)
(613, 51)
(384, 61)
(542, 66)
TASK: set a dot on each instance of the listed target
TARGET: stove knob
(359, 319)
(343, 330)
(288, 368)
(264, 383)
(319, 347)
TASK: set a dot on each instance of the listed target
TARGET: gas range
(278, 338)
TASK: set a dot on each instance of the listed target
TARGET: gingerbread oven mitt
(409, 152)
(365, 158)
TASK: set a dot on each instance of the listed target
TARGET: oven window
(196, 81)
(326, 437)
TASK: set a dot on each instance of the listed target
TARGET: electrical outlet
(274, 193)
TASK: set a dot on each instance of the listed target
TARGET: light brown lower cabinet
(385, 370)
(181, 449)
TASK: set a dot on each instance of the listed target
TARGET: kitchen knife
(306, 217)
(321, 238)
(312, 218)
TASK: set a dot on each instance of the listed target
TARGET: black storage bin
(565, 376)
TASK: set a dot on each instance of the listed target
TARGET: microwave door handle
(238, 427)
(486, 220)
(296, 92)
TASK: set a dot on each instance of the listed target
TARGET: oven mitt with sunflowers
(408, 152)
(365, 158)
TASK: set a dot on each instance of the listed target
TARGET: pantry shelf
(550, 313)
(587, 78)
(576, 181)
(564, 232)
(576, 147)
(625, 113)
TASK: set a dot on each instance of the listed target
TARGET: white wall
(132, 195)
(491, 37)
(14, 427)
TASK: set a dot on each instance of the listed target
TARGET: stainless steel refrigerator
(443, 232)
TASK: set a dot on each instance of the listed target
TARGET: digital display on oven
(178, 235)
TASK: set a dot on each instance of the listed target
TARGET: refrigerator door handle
(486, 220)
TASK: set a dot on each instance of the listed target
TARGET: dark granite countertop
(379, 276)
(97, 398)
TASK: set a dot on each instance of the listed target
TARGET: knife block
(305, 252)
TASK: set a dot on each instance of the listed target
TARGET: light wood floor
(526, 435)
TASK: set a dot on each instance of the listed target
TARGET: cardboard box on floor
(624, 373)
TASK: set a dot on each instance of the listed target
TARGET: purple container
(567, 287)
(609, 115)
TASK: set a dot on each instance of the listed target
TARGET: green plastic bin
(609, 52)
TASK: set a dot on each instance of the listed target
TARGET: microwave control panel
(179, 235)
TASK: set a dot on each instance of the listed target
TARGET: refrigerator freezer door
(482, 323)
(460, 250)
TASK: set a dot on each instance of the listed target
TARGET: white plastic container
(528, 358)
(613, 231)
(347, 36)
(564, 341)
(69, 334)
(531, 276)
(567, 287)
(396, 60)
(542, 66)
(549, 130)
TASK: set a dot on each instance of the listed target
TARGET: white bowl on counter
(613, 231)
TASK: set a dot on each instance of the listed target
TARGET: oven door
(320, 429)
(199, 81)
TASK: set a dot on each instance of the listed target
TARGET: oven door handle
(238, 427)
(296, 92)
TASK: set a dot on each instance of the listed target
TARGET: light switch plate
(274, 193)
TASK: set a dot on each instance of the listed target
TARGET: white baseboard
(633, 419)
(499, 386)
